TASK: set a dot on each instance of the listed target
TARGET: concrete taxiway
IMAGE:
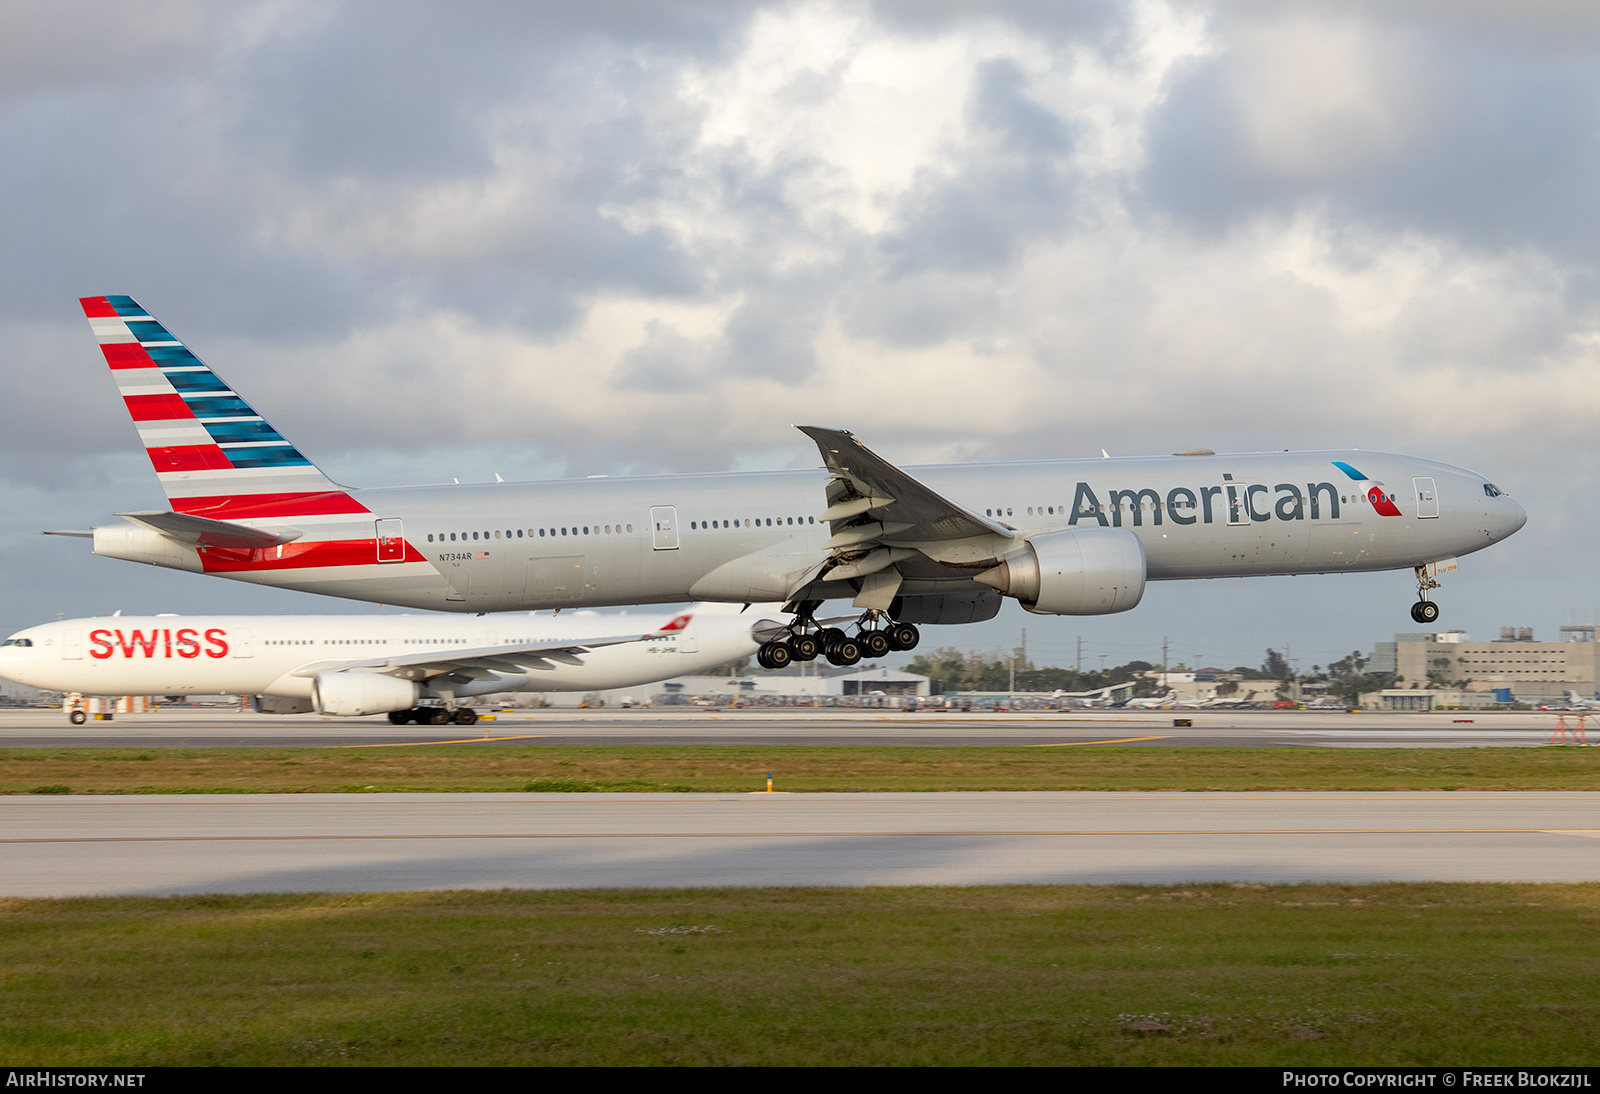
(84, 845)
(202, 728)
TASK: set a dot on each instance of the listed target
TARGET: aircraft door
(391, 540)
(72, 644)
(664, 527)
(1427, 499)
(1236, 503)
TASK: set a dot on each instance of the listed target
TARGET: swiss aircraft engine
(352, 694)
(1082, 571)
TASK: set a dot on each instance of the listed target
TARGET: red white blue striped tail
(216, 457)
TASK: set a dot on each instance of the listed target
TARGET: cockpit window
(17, 642)
(1492, 490)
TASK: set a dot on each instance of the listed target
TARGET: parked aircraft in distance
(413, 668)
(932, 544)
(1153, 702)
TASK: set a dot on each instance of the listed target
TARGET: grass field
(725, 768)
(1313, 974)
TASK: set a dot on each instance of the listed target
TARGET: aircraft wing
(889, 496)
(205, 532)
(487, 662)
(882, 517)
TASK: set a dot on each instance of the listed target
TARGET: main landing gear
(434, 716)
(1424, 610)
(875, 636)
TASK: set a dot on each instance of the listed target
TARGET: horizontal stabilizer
(205, 532)
(74, 535)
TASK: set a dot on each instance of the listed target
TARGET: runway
(85, 845)
(203, 728)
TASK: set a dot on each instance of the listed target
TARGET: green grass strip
(796, 768)
(1424, 974)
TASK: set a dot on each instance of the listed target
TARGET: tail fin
(677, 623)
(214, 454)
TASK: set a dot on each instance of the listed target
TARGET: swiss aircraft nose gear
(434, 716)
(1425, 610)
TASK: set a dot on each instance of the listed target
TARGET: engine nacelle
(279, 704)
(1082, 571)
(352, 694)
(973, 607)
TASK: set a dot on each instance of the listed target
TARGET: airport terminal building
(1530, 671)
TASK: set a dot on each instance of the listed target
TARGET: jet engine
(352, 694)
(1081, 571)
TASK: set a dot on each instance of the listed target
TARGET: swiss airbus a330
(930, 544)
(414, 668)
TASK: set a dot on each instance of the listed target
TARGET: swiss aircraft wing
(487, 662)
(205, 532)
(882, 517)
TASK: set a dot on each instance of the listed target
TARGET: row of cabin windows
(757, 522)
(361, 642)
(608, 530)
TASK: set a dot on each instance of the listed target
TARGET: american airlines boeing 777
(933, 544)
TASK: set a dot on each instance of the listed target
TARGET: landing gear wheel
(828, 636)
(435, 716)
(846, 651)
(466, 716)
(1425, 611)
(77, 717)
(774, 655)
(903, 636)
(805, 647)
(400, 717)
(874, 643)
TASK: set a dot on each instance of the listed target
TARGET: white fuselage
(271, 655)
(739, 537)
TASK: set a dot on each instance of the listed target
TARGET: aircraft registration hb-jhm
(411, 667)
(934, 544)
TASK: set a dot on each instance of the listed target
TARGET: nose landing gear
(1425, 610)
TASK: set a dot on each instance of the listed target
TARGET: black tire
(466, 716)
(435, 716)
(874, 643)
(778, 655)
(845, 652)
(1426, 611)
(400, 717)
(903, 636)
(77, 717)
(827, 636)
(805, 647)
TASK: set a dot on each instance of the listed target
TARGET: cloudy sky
(454, 240)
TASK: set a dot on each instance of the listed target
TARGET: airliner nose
(1512, 517)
